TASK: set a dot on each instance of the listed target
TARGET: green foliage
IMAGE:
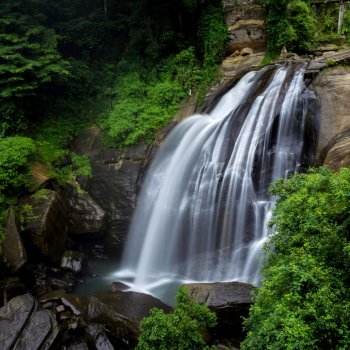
(144, 104)
(181, 329)
(29, 60)
(290, 24)
(213, 36)
(15, 152)
(327, 24)
(305, 301)
(53, 139)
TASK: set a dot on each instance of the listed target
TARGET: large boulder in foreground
(229, 300)
(122, 312)
(45, 226)
(24, 325)
(333, 88)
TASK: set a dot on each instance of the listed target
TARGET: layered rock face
(246, 25)
(113, 185)
(333, 88)
(245, 21)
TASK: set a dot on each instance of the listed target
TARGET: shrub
(304, 302)
(15, 152)
(181, 329)
(290, 24)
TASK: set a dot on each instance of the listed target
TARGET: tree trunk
(105, 9)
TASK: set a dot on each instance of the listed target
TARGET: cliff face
(245, 20)
(333, 88)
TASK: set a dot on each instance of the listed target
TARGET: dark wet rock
(40, 332)
(118, 173)
(84, 214)
(9, 288)
(12, 248)
(45, 226)
(114, 181)
(41, 279)
(77, 345)
(122, 312)
(229, 300)
(24, 326)
(73, 261)
(119, 286)
(97, 337)
(13, 318)
(76, 304)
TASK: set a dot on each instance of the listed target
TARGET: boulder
(45, 226)
(333, 88)
(122, 312)
(85, 216)
(23, 325)
(73, 261)
(13, 251)
(97, 336)
(229, 300)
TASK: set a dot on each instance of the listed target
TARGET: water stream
(203, 211)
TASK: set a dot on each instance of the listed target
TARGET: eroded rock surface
(333, 88)
(246, 25)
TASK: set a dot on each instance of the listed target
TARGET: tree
(181, 329)
(304, 302)
(290, 24)
(28, 60)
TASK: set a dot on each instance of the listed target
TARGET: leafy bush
(15, 152)
(181, 329)
(143, 105)
(305, 300)
(213, 36)
(290, 24)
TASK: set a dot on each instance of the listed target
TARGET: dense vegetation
(304, 302)
(294, 25)
(182, 329)
(126, 66)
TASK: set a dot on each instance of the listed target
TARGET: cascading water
(203, 211)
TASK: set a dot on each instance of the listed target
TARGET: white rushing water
(203, 209)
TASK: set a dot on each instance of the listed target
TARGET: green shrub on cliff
(15, 152)
(304, 302)
(290, 24)
(181, 329)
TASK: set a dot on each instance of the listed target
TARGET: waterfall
(203, 211)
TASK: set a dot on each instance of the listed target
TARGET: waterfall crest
(204, 206)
